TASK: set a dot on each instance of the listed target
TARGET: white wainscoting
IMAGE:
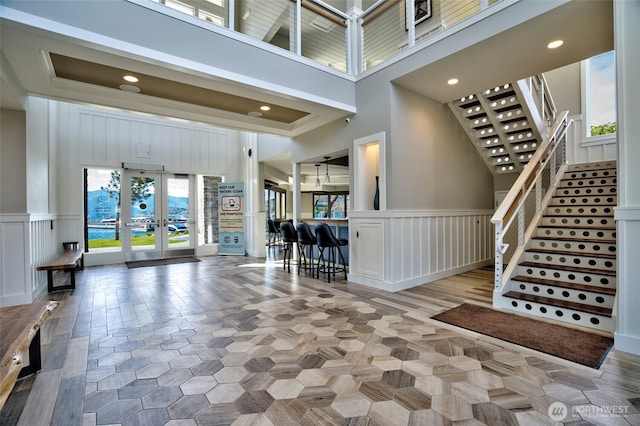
(419, 246)
(581, 149)
(27, 241)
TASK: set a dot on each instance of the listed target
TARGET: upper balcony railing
(350, 42)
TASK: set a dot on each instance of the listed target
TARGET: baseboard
(416, 281)
(627, 343)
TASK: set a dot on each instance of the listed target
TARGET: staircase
(568, 269)
(505, 123)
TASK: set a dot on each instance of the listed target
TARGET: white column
(627, 214)
(296, 190)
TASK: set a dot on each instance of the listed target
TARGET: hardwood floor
(236, 340)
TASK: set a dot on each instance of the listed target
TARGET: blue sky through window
(602, 89)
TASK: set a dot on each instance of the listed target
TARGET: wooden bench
(21, 333)
(69, 259)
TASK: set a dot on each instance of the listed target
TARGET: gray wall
(13, 160)
(433, 165)
(565, 88)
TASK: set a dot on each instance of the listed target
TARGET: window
(102, 209)
(275, 201)
(599, 87)
(208, 205)
(333, 205)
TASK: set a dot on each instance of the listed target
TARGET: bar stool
(326, 239)
(289, 238)
(306, 239)
(274, 232)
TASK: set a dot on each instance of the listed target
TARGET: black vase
(376, 197)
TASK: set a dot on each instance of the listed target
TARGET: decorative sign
(231, 218)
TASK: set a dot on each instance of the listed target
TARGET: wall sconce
(327, 179)
(317, 175)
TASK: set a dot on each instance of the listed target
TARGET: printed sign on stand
(231, 218)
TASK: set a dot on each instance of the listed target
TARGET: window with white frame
(599, 95)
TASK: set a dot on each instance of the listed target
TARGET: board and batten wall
(61, 140)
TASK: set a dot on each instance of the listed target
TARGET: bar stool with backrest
(306, 241)
(274, 232)
(289, 238)
(326, 239)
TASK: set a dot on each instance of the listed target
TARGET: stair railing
(544, 101)
(526, 200)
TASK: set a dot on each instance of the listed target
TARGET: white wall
(38, 190)
(627, 214)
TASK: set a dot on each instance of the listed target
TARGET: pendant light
(317, 175)
(327, 179)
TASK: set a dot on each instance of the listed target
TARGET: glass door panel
(141, 212)
(178, 223)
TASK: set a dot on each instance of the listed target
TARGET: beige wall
(13, 160)
(564, 84)
(432, 163)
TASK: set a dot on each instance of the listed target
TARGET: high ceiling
(61, 67)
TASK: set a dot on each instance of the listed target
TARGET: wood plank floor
(236, 340)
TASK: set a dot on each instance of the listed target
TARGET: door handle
(164, 221)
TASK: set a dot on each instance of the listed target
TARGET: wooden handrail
(379, 11)
(517, 187)
(320, 11)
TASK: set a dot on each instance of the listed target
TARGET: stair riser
(580, 192)
(589, 174)
(568, 276)
(571, 295)
(580, 222)
(579, 211)
(610, 200)
(574, 246)
(569, 260)
(591, 182)
(600, 234)
(589, 167)
(597, 322)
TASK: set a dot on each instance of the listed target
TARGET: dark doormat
(574, 345)
(160, 262)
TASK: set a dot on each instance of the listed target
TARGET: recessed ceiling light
(131, 78)
(254, 114)
(555, 44)
(129, 88)
(452, 81)
(265, 108)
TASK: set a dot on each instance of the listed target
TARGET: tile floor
(236, 340)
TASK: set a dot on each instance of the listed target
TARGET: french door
(157, 215)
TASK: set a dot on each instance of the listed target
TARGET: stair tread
(575, 239)
(573, 253)
(591, 228)
(563, 284)
(596, 310)
(569, 268)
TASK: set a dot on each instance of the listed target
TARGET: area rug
(160, 262)
(574, 345)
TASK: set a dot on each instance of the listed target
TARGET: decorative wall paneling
(422, 246)
(27, 241)
(581, 150)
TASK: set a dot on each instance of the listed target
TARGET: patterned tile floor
(238, 341)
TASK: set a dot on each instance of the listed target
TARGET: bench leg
(73, 278)
(50, 280)
(35, 357)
